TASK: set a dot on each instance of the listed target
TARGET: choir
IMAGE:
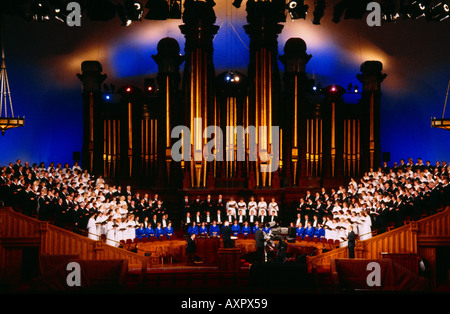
(71, 197)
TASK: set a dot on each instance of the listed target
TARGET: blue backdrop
(43, 59)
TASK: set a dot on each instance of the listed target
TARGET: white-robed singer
(92, 228)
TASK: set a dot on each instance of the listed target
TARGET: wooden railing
(434, 229)
(19, 230)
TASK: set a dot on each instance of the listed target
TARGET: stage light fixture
(417, 9)
(319, 11)
(40, 10)
(237, 3)
(150, 86)
(356, 89)
(297, 9)
(333, 89)
(157, 10)
(128, 89)
(232, 77)
(438, 12)
(389, 11)
(130, 11)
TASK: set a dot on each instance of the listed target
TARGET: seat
(298, 238)
(145, 239)
(323, 240)
(315, 239)
(307, 238)
(136, 240)
(337, 242)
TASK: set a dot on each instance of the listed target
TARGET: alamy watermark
(264, 144)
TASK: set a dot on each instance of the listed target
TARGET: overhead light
(319, 11)
(157, 10)
(438, 12)
(237, 3)
(130, 11)
(389, 11)
(297, 9)
(232, 77)
(150, 85)
(40, 10)
(417, 9)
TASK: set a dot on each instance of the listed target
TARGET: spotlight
(157, 10)
(333, 89)
(297, 9)
(319, 11)
(389, 11)
(107, 97)
(130, 11)
(232, 77)
(314, 88)
(237, 3)
(416, 9)
(40, 10)
(439, 12)
(150, 86)
(128, 89)
(356, 89)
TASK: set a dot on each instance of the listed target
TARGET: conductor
(226, 233)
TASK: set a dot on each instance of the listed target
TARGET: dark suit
(351, 244)
(191, 248)
(259, 243)
(226, 234)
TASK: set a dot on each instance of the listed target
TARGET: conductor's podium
(229, 259)
(212, 252)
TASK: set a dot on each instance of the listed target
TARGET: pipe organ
(322, 139)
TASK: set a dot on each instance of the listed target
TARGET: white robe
(92, 229)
